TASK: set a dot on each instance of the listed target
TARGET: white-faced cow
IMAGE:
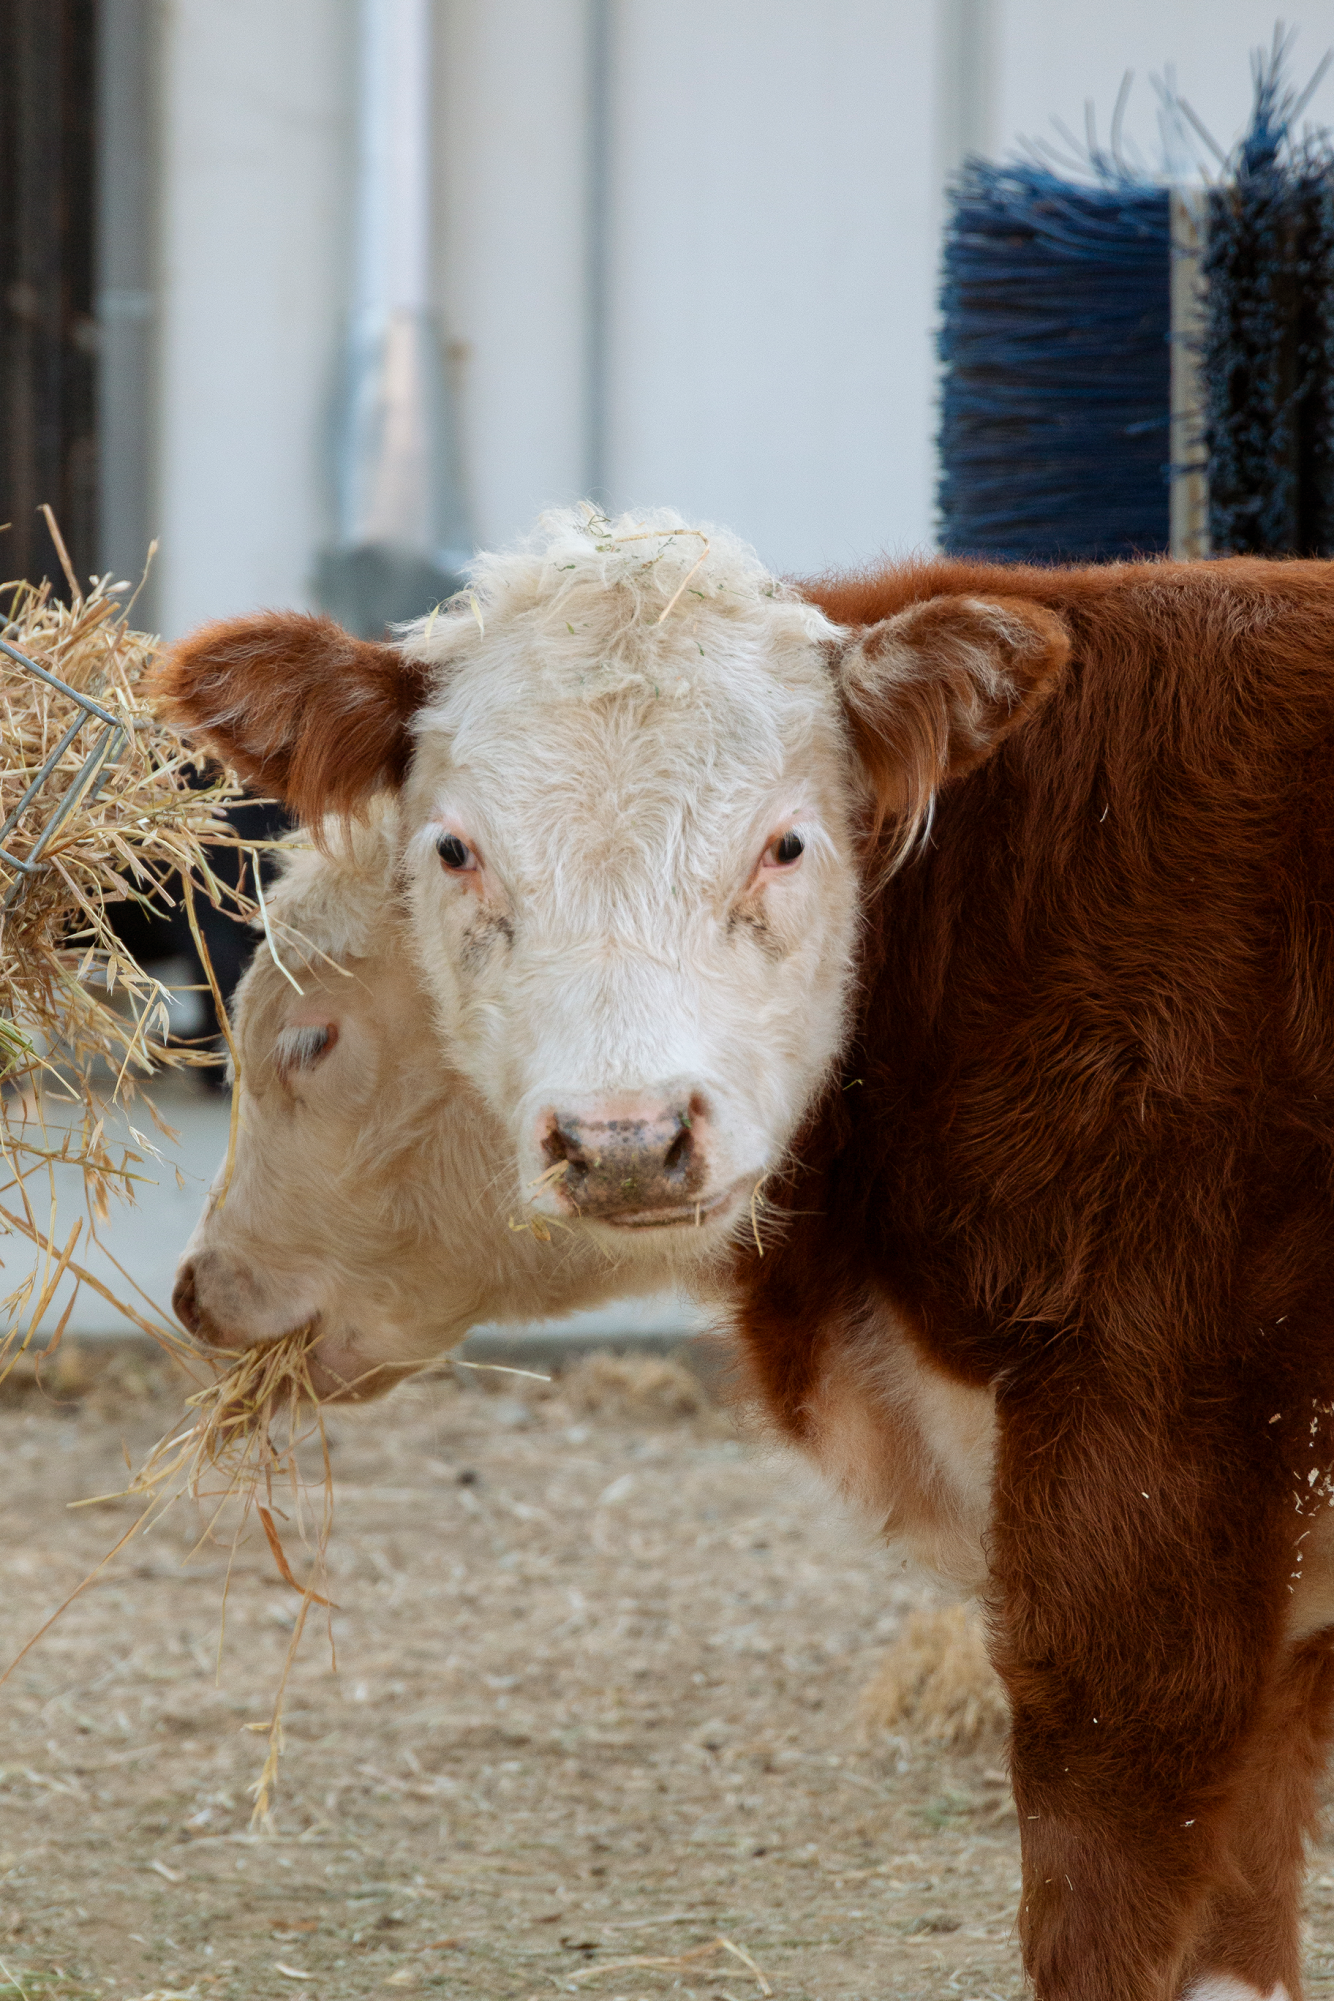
(370, 1197)
(968, 933)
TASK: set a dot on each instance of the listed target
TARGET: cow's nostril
(562, 1147)
(626, 1157)
(183, 1301)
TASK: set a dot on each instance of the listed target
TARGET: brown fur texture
(1091, 1161)
(299, 708)
(931, 691)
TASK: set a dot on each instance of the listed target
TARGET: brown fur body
(1082, 1143)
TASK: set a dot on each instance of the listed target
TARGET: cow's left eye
(456, 855)
(788, 848)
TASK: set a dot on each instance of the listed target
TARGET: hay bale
(937, 1681)
(632, 1388)
(95, 808)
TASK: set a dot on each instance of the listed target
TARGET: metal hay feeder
(87, 782)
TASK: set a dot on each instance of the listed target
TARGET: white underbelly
(913, 1451)
(907, 1445)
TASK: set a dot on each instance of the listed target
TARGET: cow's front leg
(1137, 1558)
(1250, 1943)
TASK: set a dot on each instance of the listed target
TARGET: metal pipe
(1189, 505)
(402, 532)
(967, 61)
(392, 248)
(597, 303)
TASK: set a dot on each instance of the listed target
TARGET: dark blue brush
(1057, 344)
(1268, 356)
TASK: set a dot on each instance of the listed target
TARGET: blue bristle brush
(1130, 368)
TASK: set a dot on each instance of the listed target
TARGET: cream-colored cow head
(370, 1190)
(634, 774)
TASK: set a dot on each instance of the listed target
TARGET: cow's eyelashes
(785, 850)
(455, 854)
(301, 1048)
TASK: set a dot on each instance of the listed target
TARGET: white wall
(511, 293)
(774, 216)
(256, 155)
(1057, 54)
(772, 268)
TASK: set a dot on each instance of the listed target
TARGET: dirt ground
(596, 1707)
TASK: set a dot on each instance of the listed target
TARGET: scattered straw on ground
(595, 1701)
(936, 1680)
(633, 1387)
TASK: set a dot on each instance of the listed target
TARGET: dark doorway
(48, 325)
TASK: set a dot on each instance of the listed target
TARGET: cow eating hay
(938, 965)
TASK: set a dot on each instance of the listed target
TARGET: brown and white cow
(1043, 1136)
(370, 1195)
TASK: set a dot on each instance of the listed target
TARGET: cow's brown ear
(301, 709)
(931, 692)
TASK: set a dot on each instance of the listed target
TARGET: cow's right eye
(454, 853)
(301, 1048)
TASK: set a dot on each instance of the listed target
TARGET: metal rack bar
(85, 785)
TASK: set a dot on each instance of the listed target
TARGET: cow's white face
(368, 1197)
(628, 848)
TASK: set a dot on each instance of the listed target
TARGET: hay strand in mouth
(756, 1202)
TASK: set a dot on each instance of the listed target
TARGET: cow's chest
(910, 1447)
(913, 1449)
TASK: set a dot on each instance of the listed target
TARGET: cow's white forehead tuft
(590, 608)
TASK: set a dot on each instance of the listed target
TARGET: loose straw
(220, 1006)
(667, 535)
(268, 930)
(98, 809)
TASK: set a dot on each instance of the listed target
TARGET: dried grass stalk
(678, 1962)
(229, 1453)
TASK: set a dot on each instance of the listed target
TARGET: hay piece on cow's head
(937, 1683)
